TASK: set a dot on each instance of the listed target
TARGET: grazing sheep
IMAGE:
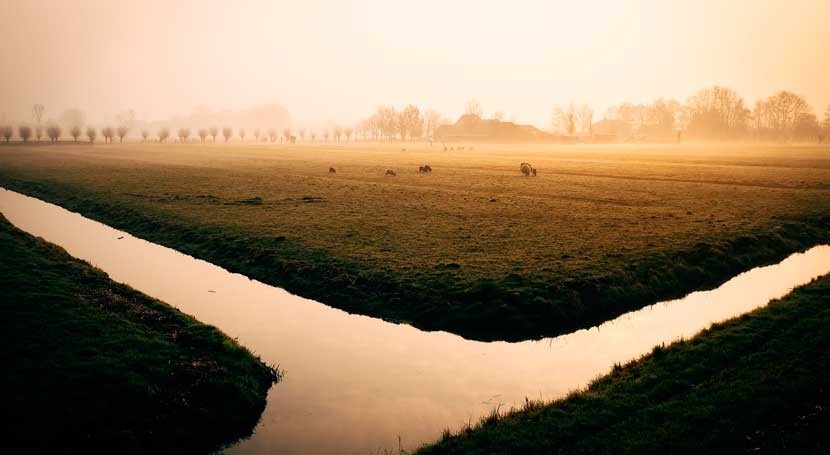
(527, 169)
(425, 168)
(390, 172)
(332, 170)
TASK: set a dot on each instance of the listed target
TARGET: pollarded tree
(164, 133)
(90, 134)
(227, 132)
(312, 135)
(6, 132)
(337, 133)
(242, 134)
(108, 134)
(75, 132)
(348, 132)
(38, 133)
(184, 134)
(54, 132)
(214, 131)
(302, 133)
(144, 135)
(325, 135)
(257, 134)
(203, 134)
(122, 133)
(286, 133)
(272, 134)
(25, 132)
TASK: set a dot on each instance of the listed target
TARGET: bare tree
(473, 107)
(122, 133)
(203, 134)
(214, 131)
(286, 133)
(717, 112)
(386, 120)
(184, 134)
(432, 120)
(144, 135)
(90, 134)
(256, 135)
(242, 134)
(54, 132)
(108, 134)
(585, 119)
(164, 133)
(409, 120)
(272, 134)
(338, 132)
(37, 116)
(25, 132)
(37, 113)
(75, 132)
(227, 132)
(6, 132)
(780, 114)
(564, 119)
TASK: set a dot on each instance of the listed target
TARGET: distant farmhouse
(473, 128)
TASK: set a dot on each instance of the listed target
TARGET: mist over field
(330, 63)
(434, 227)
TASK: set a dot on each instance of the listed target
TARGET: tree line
(714, 113)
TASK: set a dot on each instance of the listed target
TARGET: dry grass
(591, 212)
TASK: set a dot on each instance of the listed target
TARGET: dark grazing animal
(425, 168)
(332, 170)
(390, 173)
(526, 169)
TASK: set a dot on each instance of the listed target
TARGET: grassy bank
(473, 248)
(757, 383)
(91, 365)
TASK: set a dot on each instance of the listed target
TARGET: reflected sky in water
(354, 384)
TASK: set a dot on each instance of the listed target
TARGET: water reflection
(354, 384)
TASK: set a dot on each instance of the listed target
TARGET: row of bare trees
(712, 113)
(407, 124)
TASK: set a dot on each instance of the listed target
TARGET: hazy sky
(336, 60)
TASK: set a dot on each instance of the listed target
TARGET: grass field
(94, 366)
(473, 247)
(754, 384)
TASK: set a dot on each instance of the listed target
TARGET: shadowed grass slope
(92, 365)
(757, 384)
